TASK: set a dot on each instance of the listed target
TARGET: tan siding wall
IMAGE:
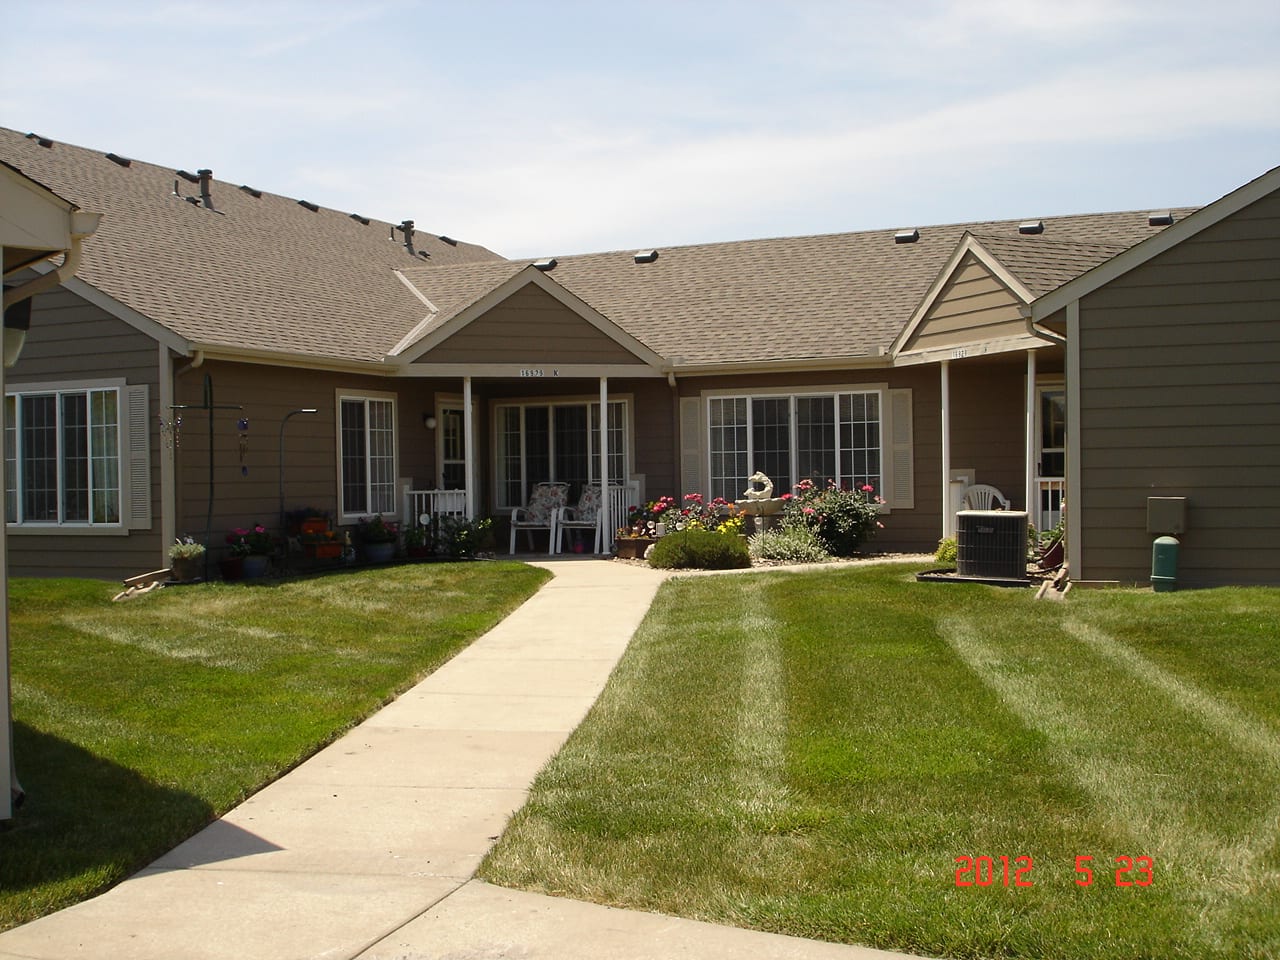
(529, 327)
(973, 306)
(1180, 388)
(905, 530)
(266, 395)
(988, 425)
(73, 340)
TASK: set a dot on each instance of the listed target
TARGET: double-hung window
(367, 455)
(63, 456)
(792, 437)
(540, 442)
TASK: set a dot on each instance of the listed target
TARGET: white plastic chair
(542, 513)
(585, 516)
(982, 496)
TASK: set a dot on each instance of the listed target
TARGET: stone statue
(751, 493)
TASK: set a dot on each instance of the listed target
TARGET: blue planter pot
(255, 566)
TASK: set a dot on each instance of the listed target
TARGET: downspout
(54, 278)
(676, 475)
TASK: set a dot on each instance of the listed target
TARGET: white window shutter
(137, 444)
(691, 446)
(901, 492)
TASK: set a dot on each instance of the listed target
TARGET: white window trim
(44, 528)
(590, 400)
(818, 390)
(340, 395)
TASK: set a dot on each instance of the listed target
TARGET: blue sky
(560, 127)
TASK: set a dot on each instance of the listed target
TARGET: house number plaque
(537, 372)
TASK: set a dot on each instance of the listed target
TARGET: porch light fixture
(906, 236)
(1159, 218)
(1031, 227)
(429, 421)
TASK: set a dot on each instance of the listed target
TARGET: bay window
(62, 457)
(792, 437)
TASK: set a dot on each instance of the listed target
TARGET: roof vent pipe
(188, 176)
(206, 194)
(407, 227)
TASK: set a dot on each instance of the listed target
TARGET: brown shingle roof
(832, 297)
(263, 272)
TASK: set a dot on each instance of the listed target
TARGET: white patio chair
(585, 516)
(982, 496)
(542, 513)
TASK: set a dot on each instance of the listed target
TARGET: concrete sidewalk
(367, 850)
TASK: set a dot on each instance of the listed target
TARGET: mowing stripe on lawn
(759, 735)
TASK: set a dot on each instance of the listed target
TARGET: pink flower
(866, 488)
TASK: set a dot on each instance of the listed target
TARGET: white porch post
(1033, 493)
(948, 519)
(603, 519)
(468, 448)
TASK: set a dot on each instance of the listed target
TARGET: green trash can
(1164, 564)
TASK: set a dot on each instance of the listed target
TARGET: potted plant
(252, 547)
(644, 526)
(320, 543)
(186, 559)
(377, 538)
(417, 540)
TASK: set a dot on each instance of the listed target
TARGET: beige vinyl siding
(973, 306)
(72, 341)
(530, 327)
(265, 395)
(1180, 396)
(988, 424)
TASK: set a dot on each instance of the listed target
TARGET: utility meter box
(1166, 515)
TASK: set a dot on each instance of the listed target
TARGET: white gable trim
(969, 244)
(530, 275)
(1152, 247)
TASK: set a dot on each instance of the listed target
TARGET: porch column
(603, 519)
(948, 518)
(1033, 494)
(468, 449)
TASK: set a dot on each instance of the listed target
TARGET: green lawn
(811, 753)
(137, 723)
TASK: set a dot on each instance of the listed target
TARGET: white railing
(621, 497)
(1050, 492)
(418, 502)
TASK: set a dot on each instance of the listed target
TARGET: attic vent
(449, 240)
(116, 158)
(646, 256)
(189, 177)
(313, 207)
(906, 236)
(360, 219)
(250, 191)
(1031, 226)
(407, 227)
(1159, 218)
(545, 265)
(43, 141)
(424, 255)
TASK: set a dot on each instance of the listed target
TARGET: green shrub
(948, 550)
(699, 550)
(788, 543)
(842, 519)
